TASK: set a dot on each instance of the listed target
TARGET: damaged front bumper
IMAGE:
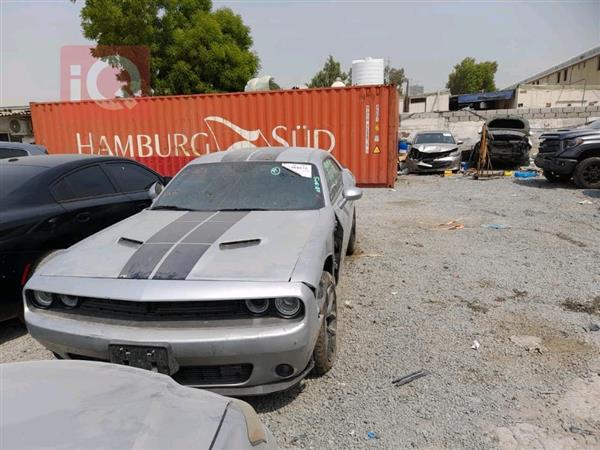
(231, 356)
(425, 162)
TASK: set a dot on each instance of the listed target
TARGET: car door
(133, 180)
(343, 210)
(91, 201)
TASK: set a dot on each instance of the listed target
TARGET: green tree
(394, 76)
(328, 74)
(469, 77)
(193, 49)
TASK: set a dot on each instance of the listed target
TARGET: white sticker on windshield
(304, 170)
(447, 134)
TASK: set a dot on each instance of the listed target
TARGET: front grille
(149, 311)
(428, 157)
(211, 375)
(549, 146)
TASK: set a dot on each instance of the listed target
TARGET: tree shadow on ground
(11, 329)
(542, 183)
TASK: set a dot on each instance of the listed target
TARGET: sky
(293, 38)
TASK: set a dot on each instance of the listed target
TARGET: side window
(333, 173)
(83, 183)
(131, 177)
(11, 153)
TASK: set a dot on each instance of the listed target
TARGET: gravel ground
(420, 291)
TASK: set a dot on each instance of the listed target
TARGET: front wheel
(554, 177)
(587, 173)
(325, 350)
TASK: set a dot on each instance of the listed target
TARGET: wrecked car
(433, 151)
(228, 282)
(83, 404)
(508, 141)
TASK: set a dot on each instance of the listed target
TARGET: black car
(52, 202)
(508, 141)
(16, 149)
(572, 154)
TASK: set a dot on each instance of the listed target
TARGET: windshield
(244, 186)
(13, 176)
(434, 138)
(595, 125)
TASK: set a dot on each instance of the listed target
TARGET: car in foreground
(433, 151)
(83, 404)
(572, 154)
(508, 141)
(51, 202)
(17, 150)
(227, 282)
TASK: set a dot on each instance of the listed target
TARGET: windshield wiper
(171, 208)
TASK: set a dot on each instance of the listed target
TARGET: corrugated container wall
(359, 125)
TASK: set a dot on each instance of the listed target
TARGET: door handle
(83, 217)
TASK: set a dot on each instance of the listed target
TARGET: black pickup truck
(572, 154)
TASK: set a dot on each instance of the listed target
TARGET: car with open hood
(227, 282)
(508, 141)
(84, 405)
(433, 151)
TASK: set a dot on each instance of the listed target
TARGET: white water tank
(367, 71)
(259, 84)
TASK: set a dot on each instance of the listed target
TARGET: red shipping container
(359, 125)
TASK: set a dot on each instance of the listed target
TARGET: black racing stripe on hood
(183, 257)
(144, 260)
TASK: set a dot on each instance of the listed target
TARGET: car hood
(435, 148)
(83, 404)
(180, 245)
(513, 123)
(570, 134)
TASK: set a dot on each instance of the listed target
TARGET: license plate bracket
(150, 357)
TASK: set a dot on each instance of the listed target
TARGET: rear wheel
(554, 177)
(587, 173)
(326, 347)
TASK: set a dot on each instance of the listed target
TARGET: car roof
(287, 154)
(52, 161)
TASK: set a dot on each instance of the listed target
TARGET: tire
(554, 177)
(325, 351)
(587, 173)
(352, 241)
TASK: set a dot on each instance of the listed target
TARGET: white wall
(530, 96)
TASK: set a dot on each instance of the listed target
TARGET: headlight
(257, 306)
(70, 301)
(570, 143)
(287, 307)
(43, 299)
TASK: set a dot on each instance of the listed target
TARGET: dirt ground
(444, 265)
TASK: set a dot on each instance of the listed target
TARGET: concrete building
(583, 69)
(427, 102)
(15, 124)
(555, 96)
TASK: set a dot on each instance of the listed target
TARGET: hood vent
(232, 245)
(130, 242)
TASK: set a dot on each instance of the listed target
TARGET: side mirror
(155, 190)
(459, 142)
(167, 180)
(352, 193)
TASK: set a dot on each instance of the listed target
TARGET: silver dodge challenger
(227, 282)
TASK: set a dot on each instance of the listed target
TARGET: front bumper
(262, 343)
(434, 165)
(563, 166)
